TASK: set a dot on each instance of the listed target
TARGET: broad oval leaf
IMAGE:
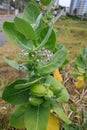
(12, 63)
(80, 62)
(60, 112)
(38, 20)
(84, 55)
(31, 12)
(20, 86)
(56, 62)
(25, 28)
(51, 42)
(36, 118)
(45, 2)
(58, 89)
(15, 96)
(17, 37)
(17, 117)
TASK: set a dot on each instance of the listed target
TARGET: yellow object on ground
(53, 123)
(80, 78)
(80, 83)
(57, 75)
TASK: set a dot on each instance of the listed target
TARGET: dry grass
(73, 35)
(76, 108)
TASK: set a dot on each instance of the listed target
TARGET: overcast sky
(65, 2)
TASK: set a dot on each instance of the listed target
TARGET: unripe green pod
(35, 101)
(55, 85)
(38, 90)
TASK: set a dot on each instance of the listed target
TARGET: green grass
(73, 34)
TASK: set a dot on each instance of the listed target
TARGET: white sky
(65, 2)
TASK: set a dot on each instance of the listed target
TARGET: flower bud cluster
(43, 56)
(40, 57)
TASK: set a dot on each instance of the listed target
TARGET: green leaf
(84, 55)
(31, 12)
(53, 85)
(79, 62)
(51, 42)
(56, 62)
(66, 62)
(66, 127)
(81, 70)
(59, 57)
(12, 63)
(25, 28)
(58, 89)
(45, 2)
(36, 118)
(75, 75)
(17, 117)
(17, 37)
(60, 112)
(70, 127)
(38, 20)
(60, 47)
(64, 96)
(20, 86)
(15, 96)
(46, 37)
(55, 19)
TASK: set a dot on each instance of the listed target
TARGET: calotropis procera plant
(81, 69)
(39, 93)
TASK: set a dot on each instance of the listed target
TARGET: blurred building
(78, 7)
(5, 7)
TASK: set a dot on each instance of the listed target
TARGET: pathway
(3, 37)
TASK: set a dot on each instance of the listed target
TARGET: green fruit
(35, 101)
(38, 90)
(55, 85)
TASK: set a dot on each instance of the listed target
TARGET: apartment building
(78, 7)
